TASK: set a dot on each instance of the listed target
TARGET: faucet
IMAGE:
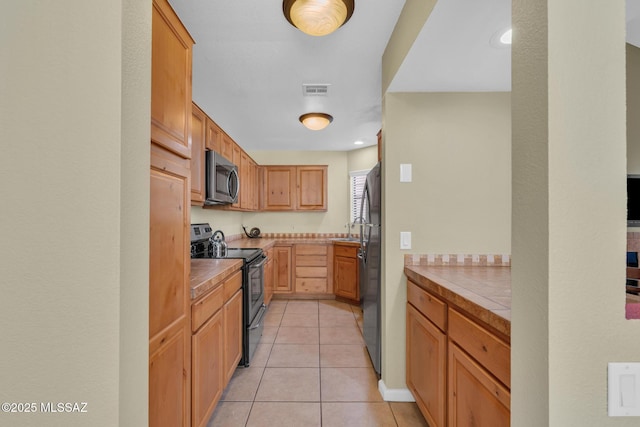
(358, 220)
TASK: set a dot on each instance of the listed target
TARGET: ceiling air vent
(315, 89)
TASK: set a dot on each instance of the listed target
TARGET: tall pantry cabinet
(170, 190)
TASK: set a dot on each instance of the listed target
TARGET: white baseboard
(394, 394)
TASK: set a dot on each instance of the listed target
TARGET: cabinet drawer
(311, 250)
(206, 307)
(345, 251)
(311, 272)
(430, 306)
(489, 350)
(311, 260)
(311, 285)
(232, 284)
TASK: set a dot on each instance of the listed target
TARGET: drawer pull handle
(484, 348)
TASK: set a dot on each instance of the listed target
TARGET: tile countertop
(483, 292)
(265, 243)
(207, 274)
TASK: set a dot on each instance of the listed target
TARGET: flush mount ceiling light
(316, 121)
(501, 39)
(317, 17)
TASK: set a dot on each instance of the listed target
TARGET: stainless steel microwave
(221, 180)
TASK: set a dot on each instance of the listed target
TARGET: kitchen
(95, 298)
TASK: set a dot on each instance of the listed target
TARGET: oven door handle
(256, 322)
(260, 264)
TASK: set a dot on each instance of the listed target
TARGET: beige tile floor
(311, 368)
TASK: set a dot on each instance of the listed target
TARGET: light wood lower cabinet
(475, 396)
(268, 277)
(426, 366)
(208, 375)
(346, 276)
(282, 257)
(216, 345)
(458, 371)
(312, 269)
(232, 334)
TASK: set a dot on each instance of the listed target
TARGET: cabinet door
(476, 398)
(169, 374)
(311, 188)
(170, 80)
(169, 239)
(282, 275)
(213, 140)
(208, 373)
(245, 181)
(279, 185)
(198, 131)
(169, 312)
(346, 277)
(268, 277)
(426, 367)
(232, 335)
(226, 148)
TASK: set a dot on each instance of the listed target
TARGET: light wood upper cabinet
(213, 140)
(279, 185)
(229, 149)
(291, 188)
(199, 123)
(170, 80)
(311, 188)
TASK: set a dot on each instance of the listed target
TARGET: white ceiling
(249, 65)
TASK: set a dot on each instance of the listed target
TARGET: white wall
(569, 229)
(459, 200)
(74, 112)
(633, 109)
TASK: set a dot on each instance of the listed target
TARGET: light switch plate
(405, 240)
(405, 172)
(624, 389)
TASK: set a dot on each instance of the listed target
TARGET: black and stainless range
(253, 307)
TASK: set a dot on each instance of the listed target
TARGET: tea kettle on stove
(219, 246)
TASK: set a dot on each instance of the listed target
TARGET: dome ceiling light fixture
(317, 17)
(315, 121)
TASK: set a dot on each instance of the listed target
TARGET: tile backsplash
(489, 260)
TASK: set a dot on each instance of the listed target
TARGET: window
(357, 178)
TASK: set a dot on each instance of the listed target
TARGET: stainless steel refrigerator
(370, 257)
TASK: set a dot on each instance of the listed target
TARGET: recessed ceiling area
(250, 65)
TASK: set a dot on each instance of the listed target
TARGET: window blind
(358, 179)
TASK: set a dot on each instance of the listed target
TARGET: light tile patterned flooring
(311, 368)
